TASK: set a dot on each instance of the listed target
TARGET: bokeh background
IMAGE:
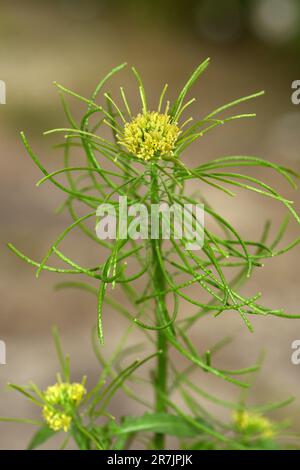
(254, 45)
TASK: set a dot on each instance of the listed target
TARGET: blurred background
(254, 45)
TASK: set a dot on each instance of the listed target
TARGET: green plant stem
(162, 342)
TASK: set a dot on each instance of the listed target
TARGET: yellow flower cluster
(150, 135)
(253, 423)
(56, 420)
(61, 395)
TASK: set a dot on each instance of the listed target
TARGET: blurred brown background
(253, 45)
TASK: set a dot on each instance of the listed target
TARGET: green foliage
(93, 427)
(164, 271)
(163, 423)
(41, 436)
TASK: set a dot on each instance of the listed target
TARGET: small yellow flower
(253, 423)
(56, 420)
(76, 392)
(61, 393)
(59, 398)
(150, 135)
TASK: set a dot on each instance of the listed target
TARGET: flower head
(61, 399)
(150, 135)
(56, 420)
(253, 423)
